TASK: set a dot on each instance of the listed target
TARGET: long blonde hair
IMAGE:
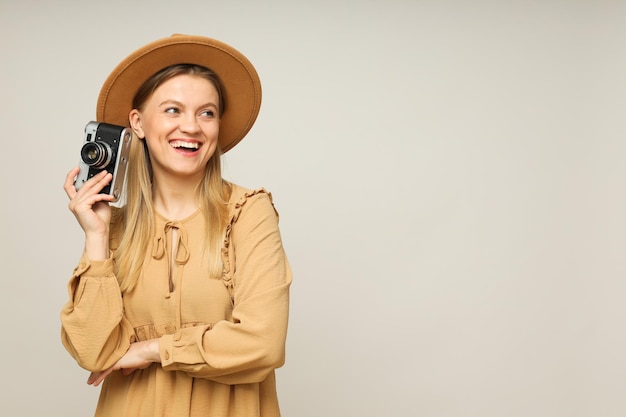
(132, 226)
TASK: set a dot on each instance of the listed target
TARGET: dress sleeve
(94, 329)
(248, 348)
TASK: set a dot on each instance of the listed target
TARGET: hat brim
(242, 87)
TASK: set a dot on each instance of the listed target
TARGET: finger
(91, 191)
(98, 381)
(93, 377)
(97, 182)
(81, 203)
(68, 185)
(70, 180)
(97, 378)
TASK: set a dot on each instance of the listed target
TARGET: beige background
(450, 181)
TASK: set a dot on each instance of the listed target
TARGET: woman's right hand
(92, 211)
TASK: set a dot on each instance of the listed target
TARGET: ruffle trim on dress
(227, 275)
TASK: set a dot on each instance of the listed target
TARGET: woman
(179, 303)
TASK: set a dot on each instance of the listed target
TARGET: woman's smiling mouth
(185, 145)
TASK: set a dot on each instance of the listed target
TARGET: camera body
(106, 148)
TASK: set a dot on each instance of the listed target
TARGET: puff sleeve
(94, 329)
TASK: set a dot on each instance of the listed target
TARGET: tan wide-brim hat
(242, 87)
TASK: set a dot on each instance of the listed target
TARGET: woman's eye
(208, 113)
(171, 110)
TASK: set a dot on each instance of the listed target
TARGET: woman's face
(180, 124)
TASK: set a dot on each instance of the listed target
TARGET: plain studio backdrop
(450, 180)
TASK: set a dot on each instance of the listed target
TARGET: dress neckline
(184, 220)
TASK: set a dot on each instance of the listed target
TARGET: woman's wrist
(97, 247)
(153, 350)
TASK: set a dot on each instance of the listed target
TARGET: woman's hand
(92, 211)
(140, 355)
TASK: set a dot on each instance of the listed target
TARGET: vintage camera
(106, 148)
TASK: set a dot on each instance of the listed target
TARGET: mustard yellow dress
(220, 339)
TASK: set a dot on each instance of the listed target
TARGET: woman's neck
(175, 199)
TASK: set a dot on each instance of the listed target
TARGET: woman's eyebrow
(180, 104)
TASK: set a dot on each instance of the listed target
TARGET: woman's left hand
(140, 355)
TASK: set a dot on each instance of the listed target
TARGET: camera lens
(96, 154)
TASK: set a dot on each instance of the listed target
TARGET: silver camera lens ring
(96, 154)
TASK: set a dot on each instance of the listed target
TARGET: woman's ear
(135, 122)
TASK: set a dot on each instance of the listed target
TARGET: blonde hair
(132, 226)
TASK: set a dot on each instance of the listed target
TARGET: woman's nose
(189, 123)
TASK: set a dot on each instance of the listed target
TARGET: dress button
(167, 355)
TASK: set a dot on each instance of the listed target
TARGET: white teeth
(183, 144)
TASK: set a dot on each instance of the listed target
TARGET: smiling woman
(180, 301)
(179, 118)
(182, 110)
